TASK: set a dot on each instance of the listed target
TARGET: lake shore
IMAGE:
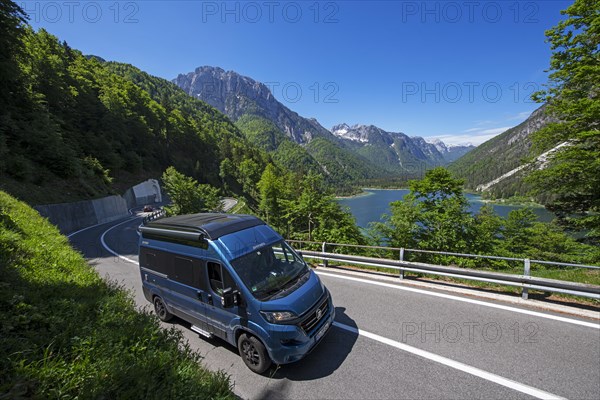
(509, 202)
(367, 192)
(370, 205)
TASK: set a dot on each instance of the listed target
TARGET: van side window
(150, 260)
(218, 282)
(183, 271)
(154, 261)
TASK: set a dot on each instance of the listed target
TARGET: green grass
(66, 333)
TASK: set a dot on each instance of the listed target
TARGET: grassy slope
(65, 333)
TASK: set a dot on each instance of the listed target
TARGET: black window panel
(189, 271)
(183, 271)
(154, 261)
(199, 274)
(149, 260)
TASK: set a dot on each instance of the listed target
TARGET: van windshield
(270, 270)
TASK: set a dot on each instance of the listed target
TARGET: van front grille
(313, 319)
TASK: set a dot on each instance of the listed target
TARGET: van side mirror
(229, 298)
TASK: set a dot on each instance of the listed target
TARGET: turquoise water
(370, 206)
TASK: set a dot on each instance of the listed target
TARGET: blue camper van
(233, 277)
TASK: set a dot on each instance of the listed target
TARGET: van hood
(300, 300)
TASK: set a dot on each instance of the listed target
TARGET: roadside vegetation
(298, 206)
(187, 195)
(435, 216)
(66, 333)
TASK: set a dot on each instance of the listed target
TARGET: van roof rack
(210, 225)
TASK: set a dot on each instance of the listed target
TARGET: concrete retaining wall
(147, 192)
(110, 208)
(70, 217)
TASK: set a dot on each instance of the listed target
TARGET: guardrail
(524, 281)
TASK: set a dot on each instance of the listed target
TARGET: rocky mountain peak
(218, 87)
(235, 95)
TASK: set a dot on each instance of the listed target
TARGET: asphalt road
(393, 341)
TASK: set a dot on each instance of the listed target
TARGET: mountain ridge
(238, 96)
(399, 151)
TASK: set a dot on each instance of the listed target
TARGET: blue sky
(461, 71)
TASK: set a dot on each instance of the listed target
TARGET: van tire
(161, 311)
(254, 353)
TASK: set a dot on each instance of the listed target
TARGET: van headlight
(278, 317)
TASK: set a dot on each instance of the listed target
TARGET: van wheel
(253, 353)
(161, 310)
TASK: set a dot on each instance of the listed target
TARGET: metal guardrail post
(401, 276)
(526, 272)
(323, 247)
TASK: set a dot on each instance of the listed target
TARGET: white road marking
(466, 300)
(88, 227)
(111, 251)
(540, 394)
(130, 211)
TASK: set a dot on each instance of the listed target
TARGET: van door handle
(199, 295)
(210, 300)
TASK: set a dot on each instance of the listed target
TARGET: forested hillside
(285, 152)
(73, 127)
(342, 170)
(500, 155)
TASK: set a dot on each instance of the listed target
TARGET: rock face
(236, 95)
(396, 149)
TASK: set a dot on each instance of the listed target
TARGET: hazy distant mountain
(451, 152)
(396, 151)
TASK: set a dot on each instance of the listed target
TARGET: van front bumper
(291, 344)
